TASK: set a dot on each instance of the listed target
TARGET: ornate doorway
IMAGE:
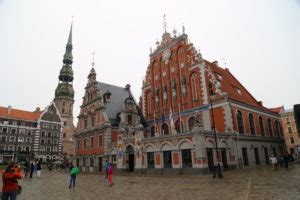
(130, 158)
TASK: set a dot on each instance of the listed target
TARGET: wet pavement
(253, 183)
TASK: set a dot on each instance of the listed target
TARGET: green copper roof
(66, 73)
(64, 90)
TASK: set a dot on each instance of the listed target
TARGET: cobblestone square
(253, 183)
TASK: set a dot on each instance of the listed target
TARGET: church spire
(68, 57)
(70, 35)
(65, 88)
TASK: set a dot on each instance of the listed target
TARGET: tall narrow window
(191, 123)
(270, 128)
(276, 128)
(261, 125)
(93, 121)
(152, 131)
(178, 126)
(251, 122)
(194, 87)
(149, 106)
(240, 122)
(92, 142)
(100, 140)
(85, 123)
(165, 129)
(292, 140)
(129, 119)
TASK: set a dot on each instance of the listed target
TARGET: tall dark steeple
(64, 99)
(64, 89)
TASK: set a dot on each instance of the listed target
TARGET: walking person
(38, 169)
(31, 169)
(10, 178)
(26, 168)
(73, 171)
(106, 168)
(110, 174)
(273, 160)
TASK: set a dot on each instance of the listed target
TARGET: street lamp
(213, 119)
(217, 167)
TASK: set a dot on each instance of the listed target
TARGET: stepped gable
(19, 114)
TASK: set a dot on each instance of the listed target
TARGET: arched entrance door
(130, 158)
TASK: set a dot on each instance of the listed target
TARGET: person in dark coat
(31, 169)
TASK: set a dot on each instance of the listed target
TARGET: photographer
(10, 178)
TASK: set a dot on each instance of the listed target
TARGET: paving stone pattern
(253, 183)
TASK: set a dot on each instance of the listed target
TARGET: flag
(179, 118)
(171, 121)
(155, 126)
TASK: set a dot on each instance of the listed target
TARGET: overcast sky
(260, 41)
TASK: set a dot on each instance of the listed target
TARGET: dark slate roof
(118, 96)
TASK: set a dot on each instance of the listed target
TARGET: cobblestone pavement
(253, 183)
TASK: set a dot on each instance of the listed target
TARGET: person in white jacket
(273, 160)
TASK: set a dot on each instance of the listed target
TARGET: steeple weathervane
(93, 63)
(165, 23)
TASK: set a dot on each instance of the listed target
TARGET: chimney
(9, 110)
(216, 63)
(260, 103)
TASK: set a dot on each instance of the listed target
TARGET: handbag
(19, 189)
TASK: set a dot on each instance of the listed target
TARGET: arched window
(149, 106)
(165, 129)
(261, 125)
(277, 129)
(251, 122)
(194, 86)
(270, 128)
(179, 126)
(152, 131)
(240, 122)
(191, 123)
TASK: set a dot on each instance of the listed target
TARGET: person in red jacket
(10, 182)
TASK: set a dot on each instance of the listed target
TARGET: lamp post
(218, 170)
(213, 118)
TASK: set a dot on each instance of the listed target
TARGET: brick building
(30, 135)
(185, 98)
(291, 133)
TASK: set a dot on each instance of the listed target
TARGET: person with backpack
(110, 173)
(11, 188)
(73, 171)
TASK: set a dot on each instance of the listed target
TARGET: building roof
(19, 114)
(117, 98)
(278, 109)
(233, 87)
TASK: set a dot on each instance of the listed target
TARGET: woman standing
(10, 182)
(38, 169)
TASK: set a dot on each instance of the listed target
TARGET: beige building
(291, 135)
